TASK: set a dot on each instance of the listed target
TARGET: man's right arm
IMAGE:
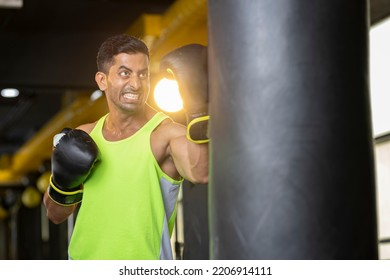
(73, 157)
(55, 212)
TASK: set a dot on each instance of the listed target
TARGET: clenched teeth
(131, 96)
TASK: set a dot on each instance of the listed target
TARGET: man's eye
(124, 73)
(143, 75)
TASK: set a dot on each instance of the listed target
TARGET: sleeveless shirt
(129, 204)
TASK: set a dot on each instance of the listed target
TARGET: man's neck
(118, 126)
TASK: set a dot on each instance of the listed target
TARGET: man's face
(127, 83)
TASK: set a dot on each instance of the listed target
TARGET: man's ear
(101, 80)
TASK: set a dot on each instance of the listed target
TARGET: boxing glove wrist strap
(64, 198)
(197, 130)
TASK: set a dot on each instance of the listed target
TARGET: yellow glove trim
(170, 71)
(191, 123)
(62, 204)
(61, 191)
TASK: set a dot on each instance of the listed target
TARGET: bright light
(11, 4)
(9, 92)
(96, 95)
(167, 96)
(379, 73)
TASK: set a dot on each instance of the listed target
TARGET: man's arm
(191, 159)
(55, 212)
(73, 157)
(189, 149)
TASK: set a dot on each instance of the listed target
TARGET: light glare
(9, 92)
(167, 96)
(96, 95)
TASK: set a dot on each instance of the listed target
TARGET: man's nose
(135, 82)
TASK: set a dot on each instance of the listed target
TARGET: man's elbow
(200, 179)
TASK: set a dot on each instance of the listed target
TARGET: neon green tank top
(129, 204)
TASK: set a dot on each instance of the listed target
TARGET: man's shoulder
(171, 128)
(87, 127)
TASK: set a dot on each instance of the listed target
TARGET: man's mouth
(131, 96)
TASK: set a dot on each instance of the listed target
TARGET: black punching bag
(292, 173)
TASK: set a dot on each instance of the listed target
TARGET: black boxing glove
(73, 157)
(188, 66)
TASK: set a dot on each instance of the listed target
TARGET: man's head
(115, 45)
(123, 73)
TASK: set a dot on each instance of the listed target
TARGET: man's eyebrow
(126, 68)
(146, 69)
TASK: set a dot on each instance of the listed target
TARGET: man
(125, 169)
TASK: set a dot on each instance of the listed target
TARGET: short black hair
(115, 45)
